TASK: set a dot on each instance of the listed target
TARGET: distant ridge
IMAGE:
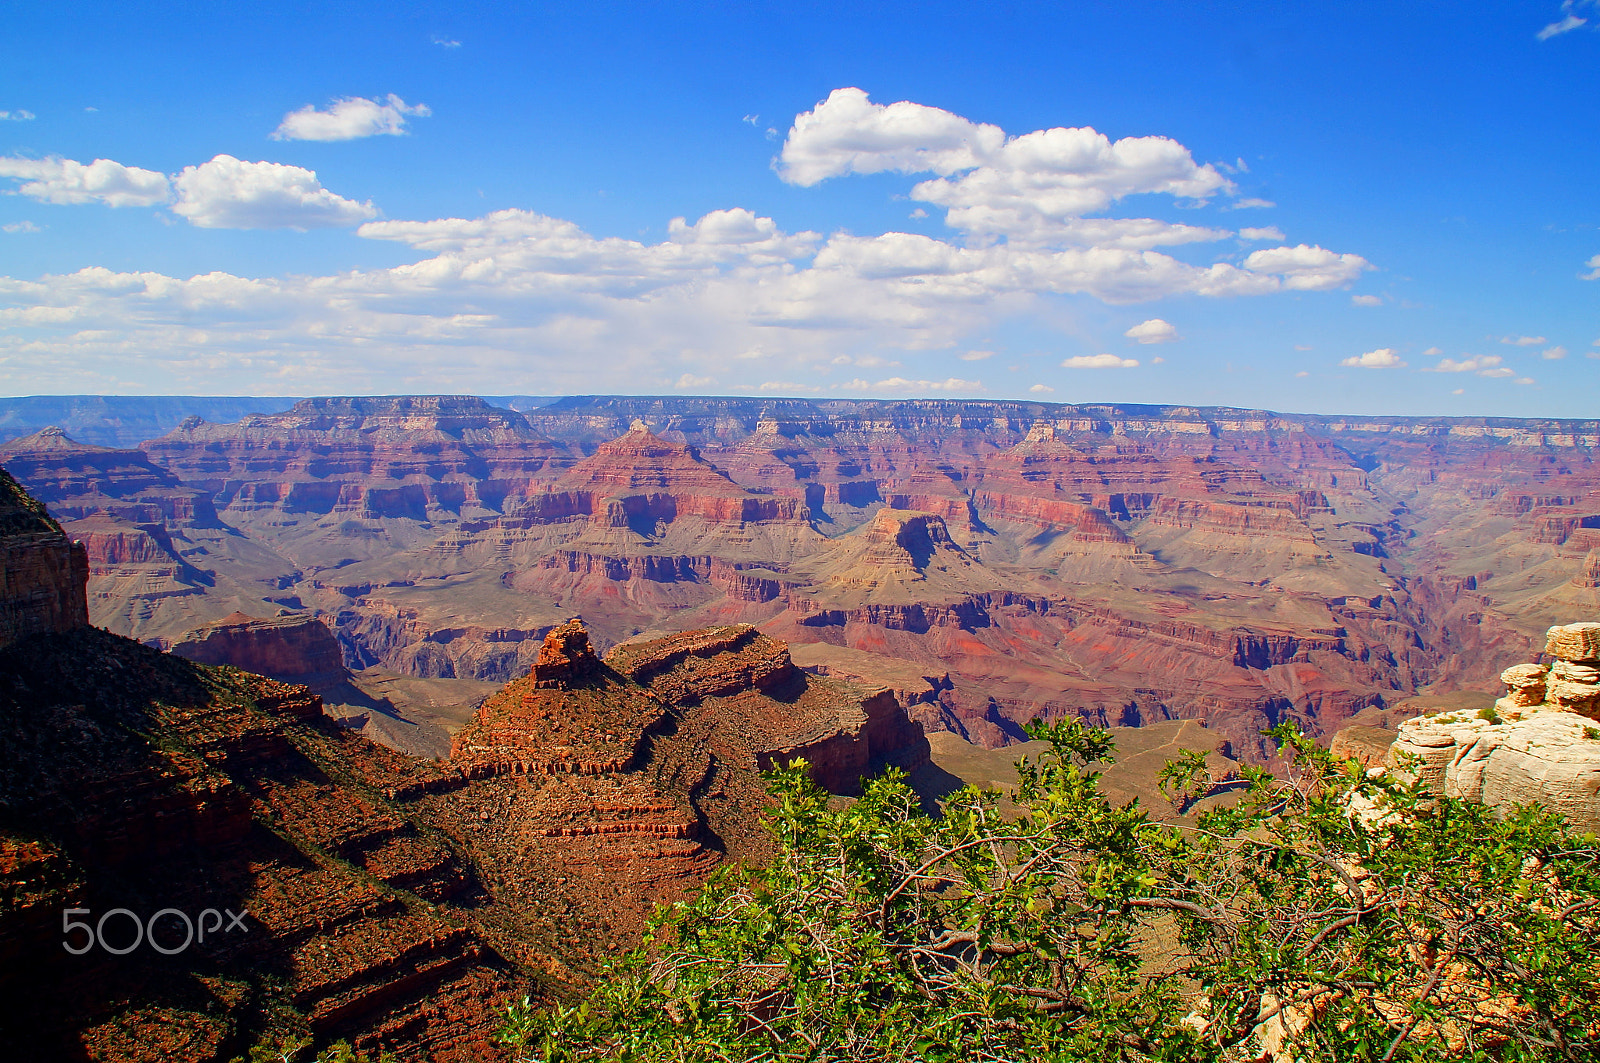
(128, 420)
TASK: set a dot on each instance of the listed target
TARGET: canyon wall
(1123, 563)
(396, 902)
(42, 573)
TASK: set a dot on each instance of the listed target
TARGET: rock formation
(1538, 744)
(1125, 563)
(390, 900)
(295, 648)
(42, 573)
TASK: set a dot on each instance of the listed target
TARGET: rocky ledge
(1539, 744)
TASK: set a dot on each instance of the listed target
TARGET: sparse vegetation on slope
(1081, 930)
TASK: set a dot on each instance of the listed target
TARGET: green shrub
(1073, 929)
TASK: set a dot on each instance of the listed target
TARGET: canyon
(990, 561)
(395, 902)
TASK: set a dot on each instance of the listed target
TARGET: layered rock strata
(392, 901)
(1538, 745)
(1126, 563)
(293, 647)
(42, 573)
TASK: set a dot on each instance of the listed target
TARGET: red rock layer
(42, 574)
(296, 648)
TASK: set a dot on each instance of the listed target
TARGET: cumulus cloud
(1031, 189)
(1522, 341)
(65, 181)
(745, 233)
(1307, 268)
(1553, 354)
(1040, 389)
(977, 356)
(17, 116)
(846, 133)
(1154, 330)
(1594, 269)
(228, 193)
(1366, 300)
(517, 295)
(689, 380)
(20, 227)
(1382, 358)
(1268, 232)
(1099, 361)
(349, 119)
(1485, 365)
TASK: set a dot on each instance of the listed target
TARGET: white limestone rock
(1550, 758)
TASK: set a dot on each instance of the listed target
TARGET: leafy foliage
(1326, 914)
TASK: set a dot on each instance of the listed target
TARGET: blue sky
(1363, 207)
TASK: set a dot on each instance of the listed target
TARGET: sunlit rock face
(1127, 564)
(1539, 744)
(295, 648)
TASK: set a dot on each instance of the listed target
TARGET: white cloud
(1031, 189)
(976, 356)
(1485, 365)
(1523, 341)
(1382, 358)
(1040, 389)
(689, 380)
(515, 298)
(1433, 352)
(20, 227)
(17, 116)
(1553, 354)
(1459, 391)
(1099, 361)
(1307, 268)
(1154, 330)
(444, 42)
(742, 232)
(1525, 380)
(776, 385)
(65, 181)
(1246, 204)
(1158, 361)
(349, 118)
(918, 214)
(1594, 269)
(846, 133)
(1269, 232)
(901, 384)
(228, 193)
(1555, 29)
(1366, 300)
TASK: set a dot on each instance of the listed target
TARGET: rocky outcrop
(445, 535)
(43, 575)
(743, 691)
(297, 648)
(1368, 746)
(1538, 745)
(135, 779)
